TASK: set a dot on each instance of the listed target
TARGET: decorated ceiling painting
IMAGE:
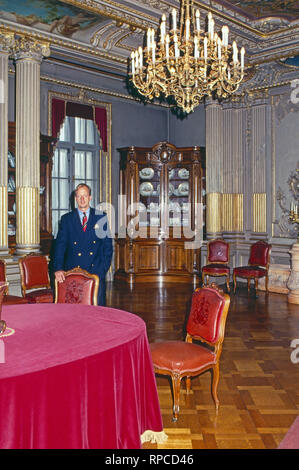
(288, 9)
(50, 15)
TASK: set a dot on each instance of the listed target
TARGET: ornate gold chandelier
(187, 62)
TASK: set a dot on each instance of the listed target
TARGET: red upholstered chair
(217, 261)
(179, 359)
(258, 265)
(35, 275)
(79, 287)
(9, 299)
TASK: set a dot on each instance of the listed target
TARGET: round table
(75, 377)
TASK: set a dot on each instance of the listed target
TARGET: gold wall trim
(259, 212)
(80, 86)
(27, 202)
(101, 91)
(232, 212)
(214, 210)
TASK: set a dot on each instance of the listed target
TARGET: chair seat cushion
(179, 356)
(250, 271)
(14, 299)
(216, 269)
(40, 296)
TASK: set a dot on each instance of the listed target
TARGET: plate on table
(183, 189)
(183, 173)
(146, 173)
(146, 189)
(7, 332)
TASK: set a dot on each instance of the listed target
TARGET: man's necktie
(84, 221)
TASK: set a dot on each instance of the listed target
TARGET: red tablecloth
(76, 377)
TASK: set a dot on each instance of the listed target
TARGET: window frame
(71, 147)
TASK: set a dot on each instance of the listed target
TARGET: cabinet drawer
(178, 259)
(148, 257)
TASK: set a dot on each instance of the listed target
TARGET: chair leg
(266, 282)
(203, 279)
(235, 282)
(215, 381)
(227, 284)
(176, 386)
(188, 384)
(248, 284)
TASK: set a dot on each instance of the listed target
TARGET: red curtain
(100, 116)
(61, 108)
(58, 115)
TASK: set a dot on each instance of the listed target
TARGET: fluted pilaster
(214, 167)
(233, 168)
(28, 57)
(259, 196)
(6, 43)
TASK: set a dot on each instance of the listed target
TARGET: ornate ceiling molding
(122, 25)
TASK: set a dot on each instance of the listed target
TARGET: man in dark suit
(84, 240)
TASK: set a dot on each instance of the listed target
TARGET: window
(76, 160)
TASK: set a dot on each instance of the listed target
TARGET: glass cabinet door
(179, 212)
(149, 195)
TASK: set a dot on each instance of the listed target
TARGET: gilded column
(28, 56)
(214, 168)
(6, 42)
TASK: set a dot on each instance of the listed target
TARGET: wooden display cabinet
(46, 154)
(161, 214)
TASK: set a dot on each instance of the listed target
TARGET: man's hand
(59, 276)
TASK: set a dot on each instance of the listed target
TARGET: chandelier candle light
(187, 62)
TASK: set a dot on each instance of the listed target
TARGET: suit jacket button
(79, 254)
(75, 243)
(91, 253)
(94, 241)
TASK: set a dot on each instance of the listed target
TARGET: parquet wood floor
(259, 383)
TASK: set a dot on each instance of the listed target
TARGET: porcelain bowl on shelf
(183, 173)
(146, 189)
(183, 189)
(141, 207)
(11, 160)
(154, 221)
(171, 174)
(170, 189)
(146, 173)
(153, 207)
